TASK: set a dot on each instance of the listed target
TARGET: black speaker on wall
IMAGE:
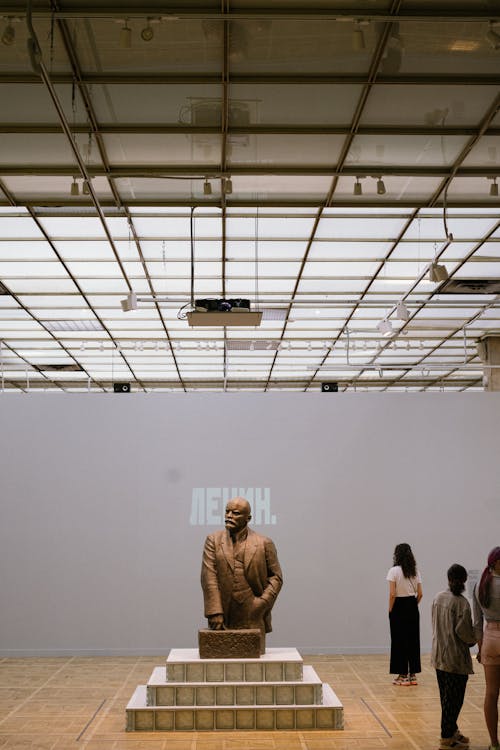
(331, 387)
(121, 387)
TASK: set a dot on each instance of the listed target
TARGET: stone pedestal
(272, 692)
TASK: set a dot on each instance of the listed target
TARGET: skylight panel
(376, 227)
(42, 286)
(84, 227)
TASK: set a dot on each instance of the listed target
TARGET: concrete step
(307, 691)
(276, 665)
(141, 717)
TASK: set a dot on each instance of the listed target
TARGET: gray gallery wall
(106, 499)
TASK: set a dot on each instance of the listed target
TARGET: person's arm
(464, 628)
(477, 622)
(419, 592)
(392, 594)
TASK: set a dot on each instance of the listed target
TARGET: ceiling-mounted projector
(221, 305)
(223, 312)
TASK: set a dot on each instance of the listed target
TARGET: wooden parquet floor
(79, 704)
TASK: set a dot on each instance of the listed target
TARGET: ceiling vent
(471, 286)
(61, 368)
(73, 325)
(274, 313)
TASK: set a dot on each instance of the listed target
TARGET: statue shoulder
(260, 538)
(216, 536)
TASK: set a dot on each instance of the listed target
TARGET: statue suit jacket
(262, 571)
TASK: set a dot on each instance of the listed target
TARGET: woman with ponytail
(405, 592)
(452, 637)
(486, 605)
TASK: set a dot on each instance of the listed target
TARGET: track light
(130, 302)
(385, 327)
(358, 38)
(380, 186)
(85, 188)
(125, 36)
(9, 35)
(147, 32)
(493, 37)
(358, 188)
(75, 189)
(494, 188)
(207, 188)
(402, 312)
(437, 272)
(228, 186)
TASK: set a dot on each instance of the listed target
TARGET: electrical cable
(181, 315)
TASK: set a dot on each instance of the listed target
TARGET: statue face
(237, 515)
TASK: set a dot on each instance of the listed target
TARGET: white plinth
(272, 692)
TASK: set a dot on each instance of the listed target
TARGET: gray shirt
(491, 613)
(452, 633)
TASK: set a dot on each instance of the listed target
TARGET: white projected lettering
(208, 505)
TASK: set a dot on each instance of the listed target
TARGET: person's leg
(458, 683)
(492, 677)
(443, 696)
(414, 639)
(451, 693)
(399, 659)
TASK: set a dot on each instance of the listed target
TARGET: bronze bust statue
(240, 576)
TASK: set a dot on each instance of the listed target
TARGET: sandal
(401, 679)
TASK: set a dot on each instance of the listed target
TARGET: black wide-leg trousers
(404, 620)
(452, 693)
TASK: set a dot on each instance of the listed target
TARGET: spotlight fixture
(147, 32)
(358, 188)
(393, 53)
(228, 186)
(207, 188)
(75, 189)
(380, 186)
(9, 35)
(385, 327)
(130, 302)
(126, 36)
(358, 38)
(492, 36)
(85, 188)
(402, 312)
(437, 272)
(494, 188)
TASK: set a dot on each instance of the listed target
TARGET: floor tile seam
(40, 687)
(374, 697)
(103, 715)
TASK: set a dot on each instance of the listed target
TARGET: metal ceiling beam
(212, 171)
(307, 12)
(38, 202)
(165, 129)
(285, 79)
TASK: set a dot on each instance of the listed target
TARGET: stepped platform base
(272, 692)
(141, 717)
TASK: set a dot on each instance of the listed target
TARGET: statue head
(238, 514)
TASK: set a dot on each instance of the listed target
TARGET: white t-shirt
(404, 586)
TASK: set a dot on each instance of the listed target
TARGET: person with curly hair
(486, 604)
(452, 637)
(405, 592)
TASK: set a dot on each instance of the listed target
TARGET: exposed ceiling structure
(335, 163)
